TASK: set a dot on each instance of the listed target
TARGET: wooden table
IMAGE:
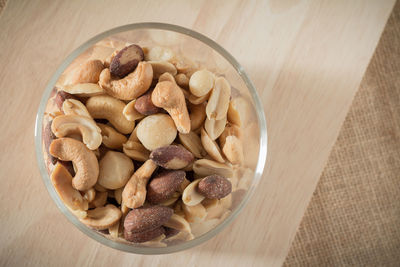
(306, 59)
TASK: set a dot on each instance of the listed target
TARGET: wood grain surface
(306, 59)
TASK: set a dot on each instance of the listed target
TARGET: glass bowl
(205, 53)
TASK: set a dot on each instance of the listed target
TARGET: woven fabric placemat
(353, 218)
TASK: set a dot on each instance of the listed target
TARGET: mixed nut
(145, 146)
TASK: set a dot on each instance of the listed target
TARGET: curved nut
(65, 125)
(190, 196)
(136, 151)
(99, 201)
(156, 131)
(134, 193)
(62, 182)
(182, 80)
(99, 188)
(194, 213)
(111, 138)
(131, 113)
(48, 137)
(160, 67)
(118, 195)
(179, 223)
(193, 143)
(145, 236)
(89, 194)
(87, 72)
(145, 106)
(205, 167)
(114, 230)
(83, 89)
(115, 170)
(201, 82)
(75, 107)
(169, 96)
(218, 103)
(147, 218)
(214, 187)
(60, 97)
(126, 60)
(214, 128)
(171, 157)
(230, 130)
(107, 107)
(198, 100)
(103, 217)
(84, 161)
(130, 87)
(211, 147)
(164, 185)
(233, 150)
(168, 77)
(197, 115)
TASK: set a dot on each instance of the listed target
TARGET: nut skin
(172, 157)
(146, 218)
(170, 231)
(48, 137)
(143, 236)
(126, 60)
(60, 98)
(145, 106)
(214, 187)
(164, 185)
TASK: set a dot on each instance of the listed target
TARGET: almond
(214, 187)
(147, 218)
(144, 236)
(60, 98)
(126, 60)
(164, 185)
(172, 157)
(48, 137)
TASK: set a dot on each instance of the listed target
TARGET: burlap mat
(353, 218)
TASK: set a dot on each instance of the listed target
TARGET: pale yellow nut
(115, 170)
(218, 103)
(75, 107)
(130, 112)
(66, 125)
(103, 217)
(107, 107)
(245, 179)
(190, 196)
(179, 223)
(158, 53)
(205, 167)
(118, 195)
(99, 188)
(156, 131)
(160, 67)
(168, 77)
(211, 147)
(192, 142)
(135, 150)
(87, 72)
(83, 89)
(89, 194)
(197, 116)
(230, 130)
(202, 227)
(62, 182)
(201, 83)
(132, 86)
(114, 230)
(134, 193)
(111, 138)
(214, 208)
(198, 100)
(170, 202)
(214, 128)
(183, 185)
(84, 160)
(194, 213)
(133, 136)
(99, 201)
(233, 150)
(182, 80)
(169, 96)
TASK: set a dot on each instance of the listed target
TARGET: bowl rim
(260, 117)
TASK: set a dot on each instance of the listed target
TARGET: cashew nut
(134, 193)
(115, 170)
(87, 72)
(103, 217)
(211, 147)
(84, 161)
(89, 194)
(130, 112)
(65, 125)
(132, 86)
(62, 182)
(111, 138)
(169, 96)
(107, 107)
(168, 77)
(100, 200)
(160, 67)
(75, 107)
(190, 196)
(83, 89)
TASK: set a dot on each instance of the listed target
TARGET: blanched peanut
(233, 149)
(214, 128)
(211, 147)
(197, 115)
(205, 167)
(201, 82)
(192, 143)
(218, 103)
(135, 150)
(182, 80)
